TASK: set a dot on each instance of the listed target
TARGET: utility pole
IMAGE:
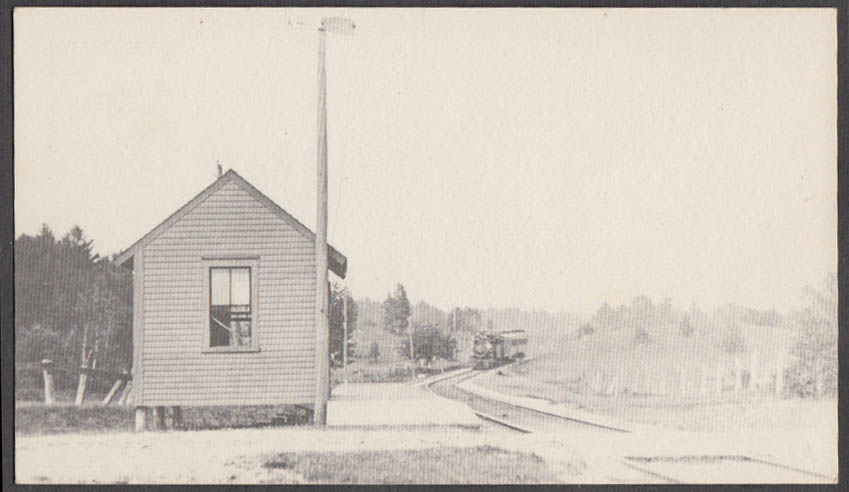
(345, 334)
(322, 322)
(412, 353)
(322, 308)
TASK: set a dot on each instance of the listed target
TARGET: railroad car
(496, 348)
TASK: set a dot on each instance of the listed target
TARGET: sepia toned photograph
(425, 246)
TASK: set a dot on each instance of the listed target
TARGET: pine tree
(814, 371)
(69, 301)
(337, 330)
(396, 311)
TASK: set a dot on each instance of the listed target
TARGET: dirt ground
(234, 456)
(237, 455)
(798, 433)
(574, 456)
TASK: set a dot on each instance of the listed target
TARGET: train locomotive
(493, 349)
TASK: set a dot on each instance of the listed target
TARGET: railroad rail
(503, 423)
(508, 414)
(751, 462)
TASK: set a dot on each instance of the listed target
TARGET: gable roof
(336, 261)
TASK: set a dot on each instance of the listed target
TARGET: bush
(733, 342)
(814, 370)
(374, 352)
(586, 329)
(685, 327)
(429, 343)
(641, 335)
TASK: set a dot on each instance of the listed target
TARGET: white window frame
(232, 262)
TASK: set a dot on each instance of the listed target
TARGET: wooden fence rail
(744, 374)
(122, 379)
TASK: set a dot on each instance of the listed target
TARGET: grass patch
(244, 417)
(60, 419)
(34, 419)
(658, 375)
(390, 366)
(481, 464)
(366, 372)
(35, 394)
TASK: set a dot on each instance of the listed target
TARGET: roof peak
(336, 260)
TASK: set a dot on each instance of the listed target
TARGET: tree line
(71, 305)
(433, 333)
(74, 307)
(812, 370)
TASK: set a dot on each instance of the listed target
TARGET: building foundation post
(159, 418)
(141, 417)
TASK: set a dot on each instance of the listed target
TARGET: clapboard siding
(225, 364)
(176, 370)
(166, 318)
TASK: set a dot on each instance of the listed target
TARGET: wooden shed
(224, 303)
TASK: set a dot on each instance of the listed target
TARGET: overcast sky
(534, 158)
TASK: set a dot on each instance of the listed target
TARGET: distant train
(495, 348)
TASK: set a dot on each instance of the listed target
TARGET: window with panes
(230, 313)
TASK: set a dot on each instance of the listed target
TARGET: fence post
(125, 395)
(719, 385)
(81, 386)
(669, 382)
(818, 378)
(779, 378)
(47, 372)
(122, 379)
(111, 395)
(754, 371)
(738, 374)
(679, 381)
(613, 386)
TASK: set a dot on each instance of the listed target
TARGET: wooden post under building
(159, 418)
(141, 418)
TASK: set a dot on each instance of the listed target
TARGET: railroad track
(652, 469)
(529, 420)
(510, 415)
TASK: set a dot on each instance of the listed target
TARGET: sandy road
(230, 456)
(577, 455)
